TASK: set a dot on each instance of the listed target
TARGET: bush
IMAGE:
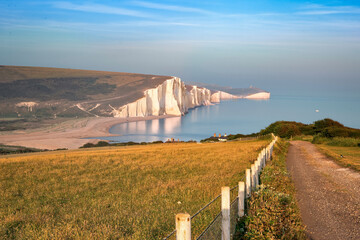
(327, 122)
(98, 144)
(286, 129)
(325, 128)
(88, 145)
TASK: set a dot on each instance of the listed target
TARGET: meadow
(130, 192)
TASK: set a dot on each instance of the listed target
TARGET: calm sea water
(240, 116)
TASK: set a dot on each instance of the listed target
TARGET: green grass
(337, 141)
(118, 192)
(273, 212)
(351, 155)
(308, 138)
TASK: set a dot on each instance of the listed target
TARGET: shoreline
(69, 134)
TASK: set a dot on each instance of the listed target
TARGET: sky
(285, 47)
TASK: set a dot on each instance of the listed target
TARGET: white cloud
(98, 8)
(316, 9)
(171, 7)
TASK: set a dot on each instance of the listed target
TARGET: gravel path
(328, 195)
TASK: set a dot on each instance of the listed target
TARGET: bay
(240, 116)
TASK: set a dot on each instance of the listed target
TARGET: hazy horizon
(283, 47)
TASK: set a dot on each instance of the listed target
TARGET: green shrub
(286, 129)
(325, 128)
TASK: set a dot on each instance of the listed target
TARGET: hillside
(53, 92)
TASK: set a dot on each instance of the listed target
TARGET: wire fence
(213, 227)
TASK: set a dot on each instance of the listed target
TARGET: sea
(240, 116)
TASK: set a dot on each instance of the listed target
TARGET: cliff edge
(171, 97)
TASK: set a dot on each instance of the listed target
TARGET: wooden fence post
(225, 213)
(241, 195)
(269, 153)
(183, 226)
(265, 154)
(259, 168)
(257, 172)
(253, 186)
(248, 183)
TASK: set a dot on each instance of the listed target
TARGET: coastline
(70, 134)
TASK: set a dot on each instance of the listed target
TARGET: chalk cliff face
(172, 97)
(220, 95)
(169, 98)
(260, 95)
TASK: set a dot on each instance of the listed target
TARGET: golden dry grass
(122, 193)
(351, 155)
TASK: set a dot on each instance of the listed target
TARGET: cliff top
(242, 92)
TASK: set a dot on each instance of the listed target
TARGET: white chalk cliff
(220, 95)
(169, 98)
(172, 97)
(260, 95)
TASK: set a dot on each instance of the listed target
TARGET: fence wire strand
(209, 226)
(168, 236)
(197, 213)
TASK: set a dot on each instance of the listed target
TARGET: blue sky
(281, 46)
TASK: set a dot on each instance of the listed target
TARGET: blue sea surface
(240, 116)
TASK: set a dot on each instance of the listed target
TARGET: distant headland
(47, 100)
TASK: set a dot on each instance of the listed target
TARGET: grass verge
(350, 155)
(337, 141)
(272, 211)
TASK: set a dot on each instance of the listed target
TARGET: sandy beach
(69, 134)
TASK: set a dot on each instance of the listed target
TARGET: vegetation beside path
(345, 151)
(273, 212)
(344, 156)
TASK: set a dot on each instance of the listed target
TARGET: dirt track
(328, 195)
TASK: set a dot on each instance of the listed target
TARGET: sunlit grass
(125, 192)
(350, 155)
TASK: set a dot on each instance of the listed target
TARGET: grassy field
(351, 155)
(116, 193)
(273, 212)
